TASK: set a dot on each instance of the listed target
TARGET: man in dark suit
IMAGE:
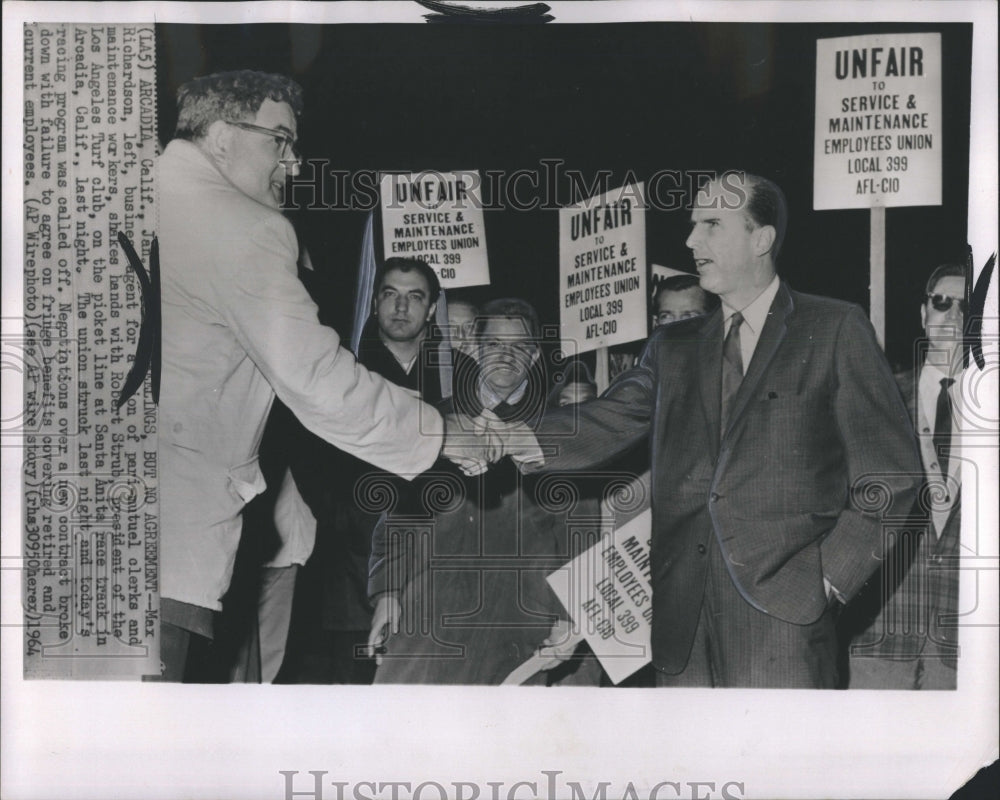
(909, 612)
(778, 441)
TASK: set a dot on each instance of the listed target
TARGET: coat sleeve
(883, 463)
(593, 433)
(379, 569)
(276, 322)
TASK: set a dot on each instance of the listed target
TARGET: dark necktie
(732, 366)
(942, 425)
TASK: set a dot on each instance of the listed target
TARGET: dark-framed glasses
(282, 139)
(943, 302)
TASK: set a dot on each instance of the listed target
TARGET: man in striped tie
(778, 442)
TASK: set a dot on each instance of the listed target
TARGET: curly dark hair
(236, 95)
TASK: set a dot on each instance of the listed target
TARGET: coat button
(714, 497)
(701, 549)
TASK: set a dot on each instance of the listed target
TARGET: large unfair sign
(602, 269)
(90, 586)
(878, 121)
(437, 216)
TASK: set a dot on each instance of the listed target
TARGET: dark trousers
(348, 661)
(735, 645)
(185, 637)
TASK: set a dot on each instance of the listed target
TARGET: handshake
(473, 443)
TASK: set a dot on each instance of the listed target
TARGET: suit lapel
(947, 529)
(768, 343)
(710, 374)
(908, 382)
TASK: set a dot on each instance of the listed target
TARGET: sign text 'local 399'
(878, 121)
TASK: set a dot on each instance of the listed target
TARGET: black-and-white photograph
(366, 356)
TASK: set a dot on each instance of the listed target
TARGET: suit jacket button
(701, 549)
(714, 497)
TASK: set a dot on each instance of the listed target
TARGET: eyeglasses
(943, 302)
(285, 143)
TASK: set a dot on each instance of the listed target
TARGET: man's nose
(292, 165)
(954, 312)
(402, 302)
(690, 241)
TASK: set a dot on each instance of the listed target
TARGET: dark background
(641, 97)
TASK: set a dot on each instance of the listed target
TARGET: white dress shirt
(754, 317)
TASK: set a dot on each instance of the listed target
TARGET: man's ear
(218, 139)
(431, 312)
(764, 238)
(923, 316)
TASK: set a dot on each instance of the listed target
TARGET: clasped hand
(475, 443)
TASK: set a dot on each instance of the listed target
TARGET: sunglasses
(286, 144)
(943, 302)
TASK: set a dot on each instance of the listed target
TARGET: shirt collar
(932, 373)
(755, 314)
(193, 155)
(491, 399)
(930, 383)
(197, 159)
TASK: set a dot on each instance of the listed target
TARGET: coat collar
(771, 337)
(710, 357)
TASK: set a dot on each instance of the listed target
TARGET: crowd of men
(776, 440)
